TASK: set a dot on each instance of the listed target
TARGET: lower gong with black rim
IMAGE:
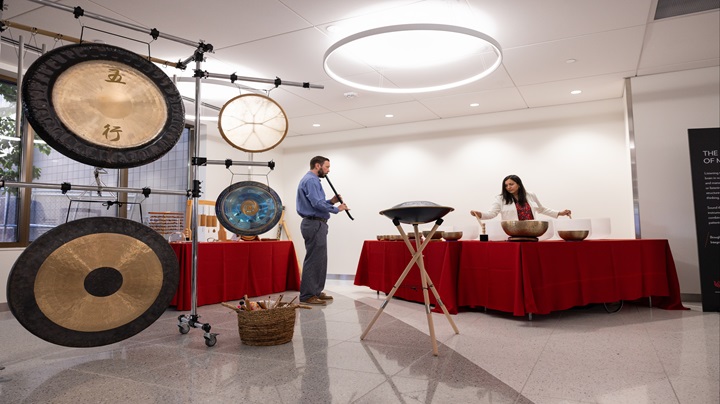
(248, 208)
(103, 105)
(93, 282)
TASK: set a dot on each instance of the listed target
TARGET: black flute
(338, 196)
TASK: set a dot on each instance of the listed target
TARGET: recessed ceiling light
(571, 61)
(575, 92)
(474, 104)
(317, 125)
(389, 115)
(333, 28)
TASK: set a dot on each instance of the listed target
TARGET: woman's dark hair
(317, 160)
(507, 196)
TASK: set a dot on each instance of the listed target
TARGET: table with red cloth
(382, 262)
(527, 277)
(541, 277)
(228, 270)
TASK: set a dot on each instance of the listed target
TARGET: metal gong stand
(185, 322)
(415, 213)
(156, 258)
(201, 48)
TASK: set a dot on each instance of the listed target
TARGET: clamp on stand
(425, 279)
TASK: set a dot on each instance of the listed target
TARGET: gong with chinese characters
(93, 282)
(248, 208)
(103, 105)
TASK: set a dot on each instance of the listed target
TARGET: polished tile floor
(583, 355)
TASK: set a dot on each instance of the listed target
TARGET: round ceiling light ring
(413, 27)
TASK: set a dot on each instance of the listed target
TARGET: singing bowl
(416, 212)
(573, 235)
(436, 236)
(103, 105)
(452, 235)
(524, 228)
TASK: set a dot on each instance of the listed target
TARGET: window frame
(25, 166)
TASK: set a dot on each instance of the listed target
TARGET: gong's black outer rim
(23, 303)
(37, 102)
(226, 223)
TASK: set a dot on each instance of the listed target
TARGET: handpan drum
(93, 282)
(103, 105)
(416, 212)
(248, 208)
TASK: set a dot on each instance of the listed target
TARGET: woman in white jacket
(515, 203)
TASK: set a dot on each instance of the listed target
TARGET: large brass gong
(93, 281)
(103, 105)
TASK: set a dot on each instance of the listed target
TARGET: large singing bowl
(524, 228)
(573, 235)
(416, 212)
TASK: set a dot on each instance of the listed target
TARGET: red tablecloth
(228, 270)
(382, 262)
(491, 276)
(556, 275)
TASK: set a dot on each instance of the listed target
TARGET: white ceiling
(610, 40)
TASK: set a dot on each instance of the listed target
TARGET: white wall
(665, 106)
(8, 256)
(573, 157)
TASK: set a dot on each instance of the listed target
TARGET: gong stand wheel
(185, 322)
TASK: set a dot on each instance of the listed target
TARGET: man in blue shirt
(315, 210)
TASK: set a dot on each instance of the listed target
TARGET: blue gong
(248, 208)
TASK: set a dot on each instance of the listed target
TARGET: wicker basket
(267, 327)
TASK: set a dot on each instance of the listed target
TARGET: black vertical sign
(705, 168)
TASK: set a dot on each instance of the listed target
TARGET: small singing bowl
(573, 235)
(452, 235)
(438, 234)
(524, 228)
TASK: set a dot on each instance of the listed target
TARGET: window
(168, 172)
(51, 207)
(9, 162)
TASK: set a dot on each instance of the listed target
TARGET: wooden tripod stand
(425, 279)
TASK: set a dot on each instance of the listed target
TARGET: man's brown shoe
(324, 296)
(314, 300)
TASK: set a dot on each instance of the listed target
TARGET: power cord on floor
(2, 378)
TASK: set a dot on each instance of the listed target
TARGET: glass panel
(9, 163)
(169, 172)
(50, 207)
